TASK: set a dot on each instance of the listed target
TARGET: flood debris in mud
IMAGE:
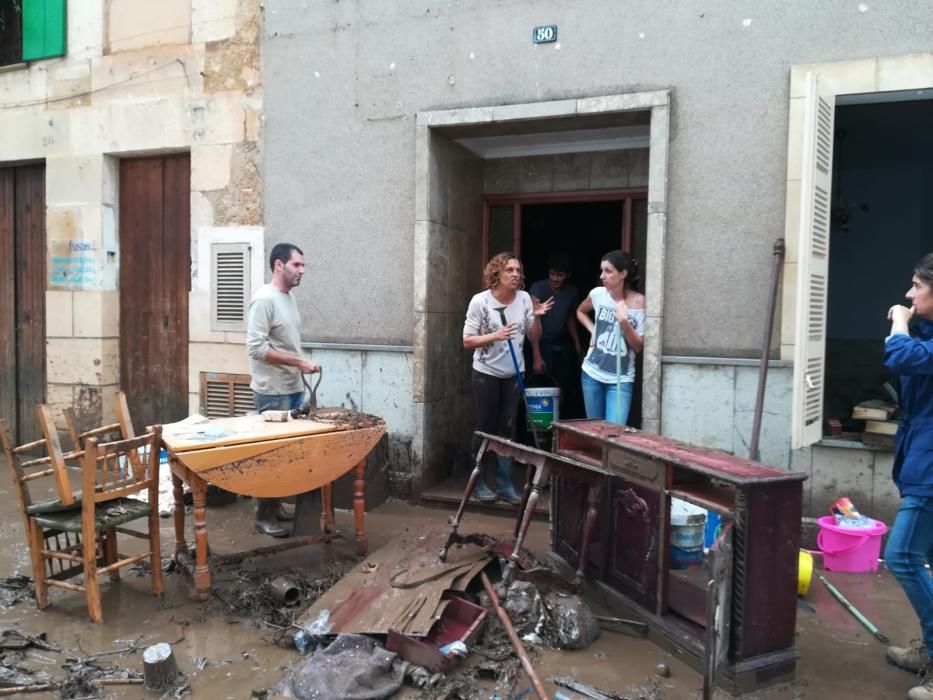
(15, 588)
(245, 594)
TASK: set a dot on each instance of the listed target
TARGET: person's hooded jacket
(911, 358)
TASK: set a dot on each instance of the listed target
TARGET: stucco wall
(136, 82)
(344, 81)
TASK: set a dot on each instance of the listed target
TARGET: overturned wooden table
(250, 456)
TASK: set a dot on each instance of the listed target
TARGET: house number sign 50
(545, 34)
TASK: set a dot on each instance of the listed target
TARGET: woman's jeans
(602, 400)
(910, 546)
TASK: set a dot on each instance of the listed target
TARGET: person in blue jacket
(908, 352)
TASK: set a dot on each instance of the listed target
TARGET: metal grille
(230, 286)
(225, 395)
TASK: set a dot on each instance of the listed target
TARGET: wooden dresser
(628, 561)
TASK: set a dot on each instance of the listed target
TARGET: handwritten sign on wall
(74, 265)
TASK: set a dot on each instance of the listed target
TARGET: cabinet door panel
(636, 517)
(569, 514)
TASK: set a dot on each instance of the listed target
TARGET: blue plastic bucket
(543, 407)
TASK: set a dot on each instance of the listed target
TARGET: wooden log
(160, 672)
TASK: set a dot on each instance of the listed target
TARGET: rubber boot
(284, 512)
(481, 492)
(504, 486)
(266, 523)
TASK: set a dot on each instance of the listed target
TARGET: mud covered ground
(235, 646)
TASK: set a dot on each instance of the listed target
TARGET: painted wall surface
(713, 405)
(345, 80)
(136, 81)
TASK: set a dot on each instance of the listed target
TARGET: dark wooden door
(155, 274)
(22, 298)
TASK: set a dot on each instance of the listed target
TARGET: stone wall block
(58, 314)
(215, 357)
(697, 404)
(839, 472)
(96, 314)
(210, 166)
(136, 24)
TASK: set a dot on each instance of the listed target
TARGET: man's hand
(308, 367)
(541, 307)
(538, 367)
(900, 314)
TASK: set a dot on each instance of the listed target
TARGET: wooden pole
(513, 637)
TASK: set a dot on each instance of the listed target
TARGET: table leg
(178, 513)
(327, 509)
(526, 493)
(467, 494)
(359, 507)
(541, 476)
(592, 510)
(202, 574)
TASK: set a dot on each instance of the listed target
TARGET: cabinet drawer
(641, 469)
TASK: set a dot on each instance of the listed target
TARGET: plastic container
(804, 572)
(712, 528)
(543, 406)
(688, 527)
(849, 549)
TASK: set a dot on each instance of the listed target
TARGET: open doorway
(585, 226)
(880, 222)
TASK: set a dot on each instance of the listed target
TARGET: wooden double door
(155, 278)
(22, 298)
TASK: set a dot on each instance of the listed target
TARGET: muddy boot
(483, 493)
(504, 486)
(913, 658)
(284, 512)
(924, 691)
(266, 524)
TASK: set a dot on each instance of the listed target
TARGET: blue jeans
(602, 400)
(910, 546)
(278, 402)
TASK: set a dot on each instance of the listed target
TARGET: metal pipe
(753, 451)
(855, 612)
(513, 637)
(285, 591)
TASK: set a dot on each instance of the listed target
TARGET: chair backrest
(78, 437)
(123, 416)
(56, 456)
(116, 469)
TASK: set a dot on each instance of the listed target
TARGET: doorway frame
(624, 194)
(658, 104)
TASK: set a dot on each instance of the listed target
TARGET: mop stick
(618, 332)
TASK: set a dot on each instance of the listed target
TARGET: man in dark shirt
(558, 352)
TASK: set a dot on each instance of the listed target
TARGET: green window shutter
(44, 29)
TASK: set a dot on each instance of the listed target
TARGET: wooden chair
(80, 538)
(78, 437)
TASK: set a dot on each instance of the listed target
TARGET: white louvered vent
(225, 395)
(230, 286)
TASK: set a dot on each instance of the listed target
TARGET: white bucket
(688, 525)
(543, 406)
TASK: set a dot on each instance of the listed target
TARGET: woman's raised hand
(542, 307)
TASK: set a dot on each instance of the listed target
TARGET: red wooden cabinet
(628, 558)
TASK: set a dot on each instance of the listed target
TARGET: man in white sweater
(273, 342)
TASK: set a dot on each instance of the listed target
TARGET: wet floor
(838, 658)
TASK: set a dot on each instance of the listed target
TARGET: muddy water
(838, 658)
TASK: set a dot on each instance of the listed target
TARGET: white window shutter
(813, 263)
(230, 286)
